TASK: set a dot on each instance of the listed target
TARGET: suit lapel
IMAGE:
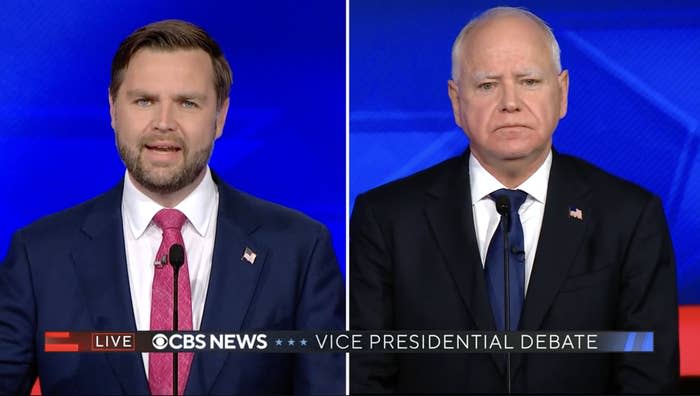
(448, 208)
(560, 239)
(100, 264)
(232, 282)
(449, 211)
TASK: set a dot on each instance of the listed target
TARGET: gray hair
(498, 12)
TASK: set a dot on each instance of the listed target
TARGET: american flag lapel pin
(249, 255)
(575, 213)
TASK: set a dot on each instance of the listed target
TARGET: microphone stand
(503, 208)
(506, 278)
(177, 259)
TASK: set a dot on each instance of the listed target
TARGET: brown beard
(193, 166)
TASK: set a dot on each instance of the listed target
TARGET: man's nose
(165, 117)
(510, 102)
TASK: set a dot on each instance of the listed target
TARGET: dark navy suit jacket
(68, 272)
(415, 264)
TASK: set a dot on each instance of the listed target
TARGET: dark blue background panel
(284, 139)
(634, 97)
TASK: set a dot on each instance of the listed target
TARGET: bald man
(590, 251)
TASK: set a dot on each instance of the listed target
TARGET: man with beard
(102, 265)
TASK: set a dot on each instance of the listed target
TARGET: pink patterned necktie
(160, 365)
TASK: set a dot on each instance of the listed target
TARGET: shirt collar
(197, 206)
(482, 183)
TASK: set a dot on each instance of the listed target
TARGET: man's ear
(221, 118)
(453, 92)
(563, 79)
(112, 110)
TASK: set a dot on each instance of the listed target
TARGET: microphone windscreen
(503, 205)
(177, 255)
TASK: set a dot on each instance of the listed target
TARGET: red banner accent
(689, 334)
(61, 348)
(57, 334)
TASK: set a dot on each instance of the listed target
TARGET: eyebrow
(181, 96)
(190, 96)
(531, 71)
(482, 75)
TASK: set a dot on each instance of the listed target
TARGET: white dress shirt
(486, 218)
(142, 239)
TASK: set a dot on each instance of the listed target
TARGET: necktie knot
(168, 219)
(515, 197)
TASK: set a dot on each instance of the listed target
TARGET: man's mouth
(506, 126)
(164, 147)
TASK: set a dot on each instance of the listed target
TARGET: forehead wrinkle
(137, 92)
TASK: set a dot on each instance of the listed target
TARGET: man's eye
(486, 86)
(530, 82)
(143, 102)
(188, 104)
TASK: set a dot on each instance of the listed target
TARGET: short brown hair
(169, 35)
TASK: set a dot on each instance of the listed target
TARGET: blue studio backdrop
(284, 139)
(634, 97)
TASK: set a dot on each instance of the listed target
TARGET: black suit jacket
(415, 264)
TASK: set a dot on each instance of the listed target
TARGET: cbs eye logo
(160, 341)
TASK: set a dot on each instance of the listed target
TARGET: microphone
(176, 256)
(503, 208)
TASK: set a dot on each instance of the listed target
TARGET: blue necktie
(494, 268)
